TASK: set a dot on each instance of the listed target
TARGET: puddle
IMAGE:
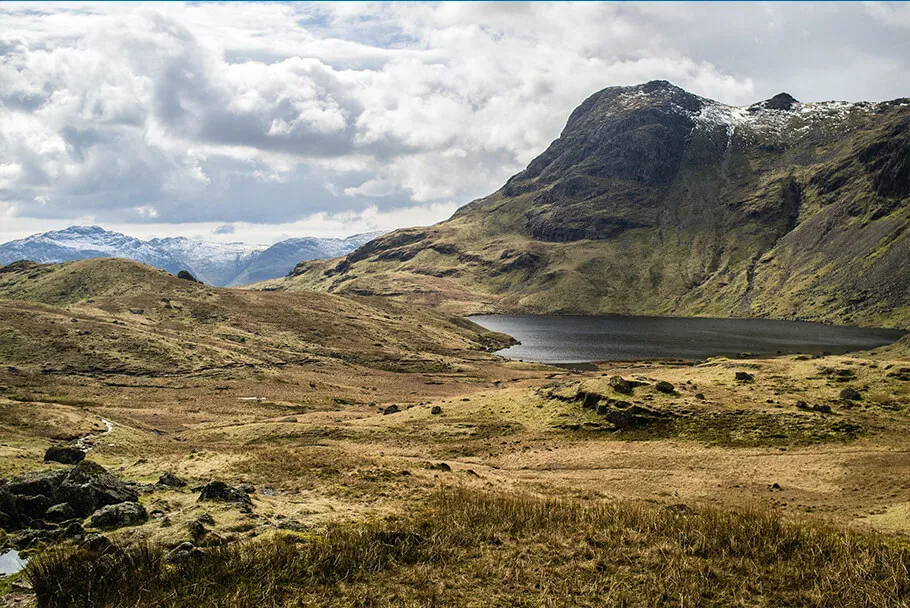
(11, 563)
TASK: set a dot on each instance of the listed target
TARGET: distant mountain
(279, 259)
(212, 263)
(81, 242)
(657, 201)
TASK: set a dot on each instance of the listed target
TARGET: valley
(346, 436)
(363, 412)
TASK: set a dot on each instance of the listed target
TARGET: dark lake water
(581, 339)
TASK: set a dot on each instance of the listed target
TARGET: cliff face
(656, 201)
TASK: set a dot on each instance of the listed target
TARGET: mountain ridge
(654, 200)
(214, 263)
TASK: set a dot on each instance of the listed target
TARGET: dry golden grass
(465, 548)
(309, 434)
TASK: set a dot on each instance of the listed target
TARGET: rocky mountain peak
(781, 101)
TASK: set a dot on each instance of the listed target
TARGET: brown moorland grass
(471, 548)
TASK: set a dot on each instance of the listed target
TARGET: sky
(257, 122)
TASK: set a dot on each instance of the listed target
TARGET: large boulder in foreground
(85, 488)
(88, 487)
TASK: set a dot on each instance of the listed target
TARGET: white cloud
(309, 116)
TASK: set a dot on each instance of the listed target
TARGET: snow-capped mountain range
(210, 262)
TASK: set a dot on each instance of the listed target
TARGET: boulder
(88, 487)
(9, 514)
(392, 409)
(665, 387)
(849, 394)
(119, 515)
(824, 409)
(25, 498)
(141, 488)
(621, 385)
(185, 274)
(436, 410)
(60, 512)
(222, 492)
(64, 455)
(183, 551)
(33, 507)
(44, 483)
(246, 487)
(169, 480)
(744, 377)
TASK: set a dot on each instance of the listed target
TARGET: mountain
(80, 242)
(212, 263)
(279, 259)
(654, 200)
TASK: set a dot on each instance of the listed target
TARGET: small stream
(83, 442)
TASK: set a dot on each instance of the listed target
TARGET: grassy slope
(109, 315)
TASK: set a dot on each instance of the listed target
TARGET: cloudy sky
(260, 121)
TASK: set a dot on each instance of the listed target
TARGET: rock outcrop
(32, 499)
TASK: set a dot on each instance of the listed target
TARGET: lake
(583, 339)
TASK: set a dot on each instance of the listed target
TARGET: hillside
(656, 201)
(211, 262)
(109, 315)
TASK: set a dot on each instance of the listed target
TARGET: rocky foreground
(78, 504)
